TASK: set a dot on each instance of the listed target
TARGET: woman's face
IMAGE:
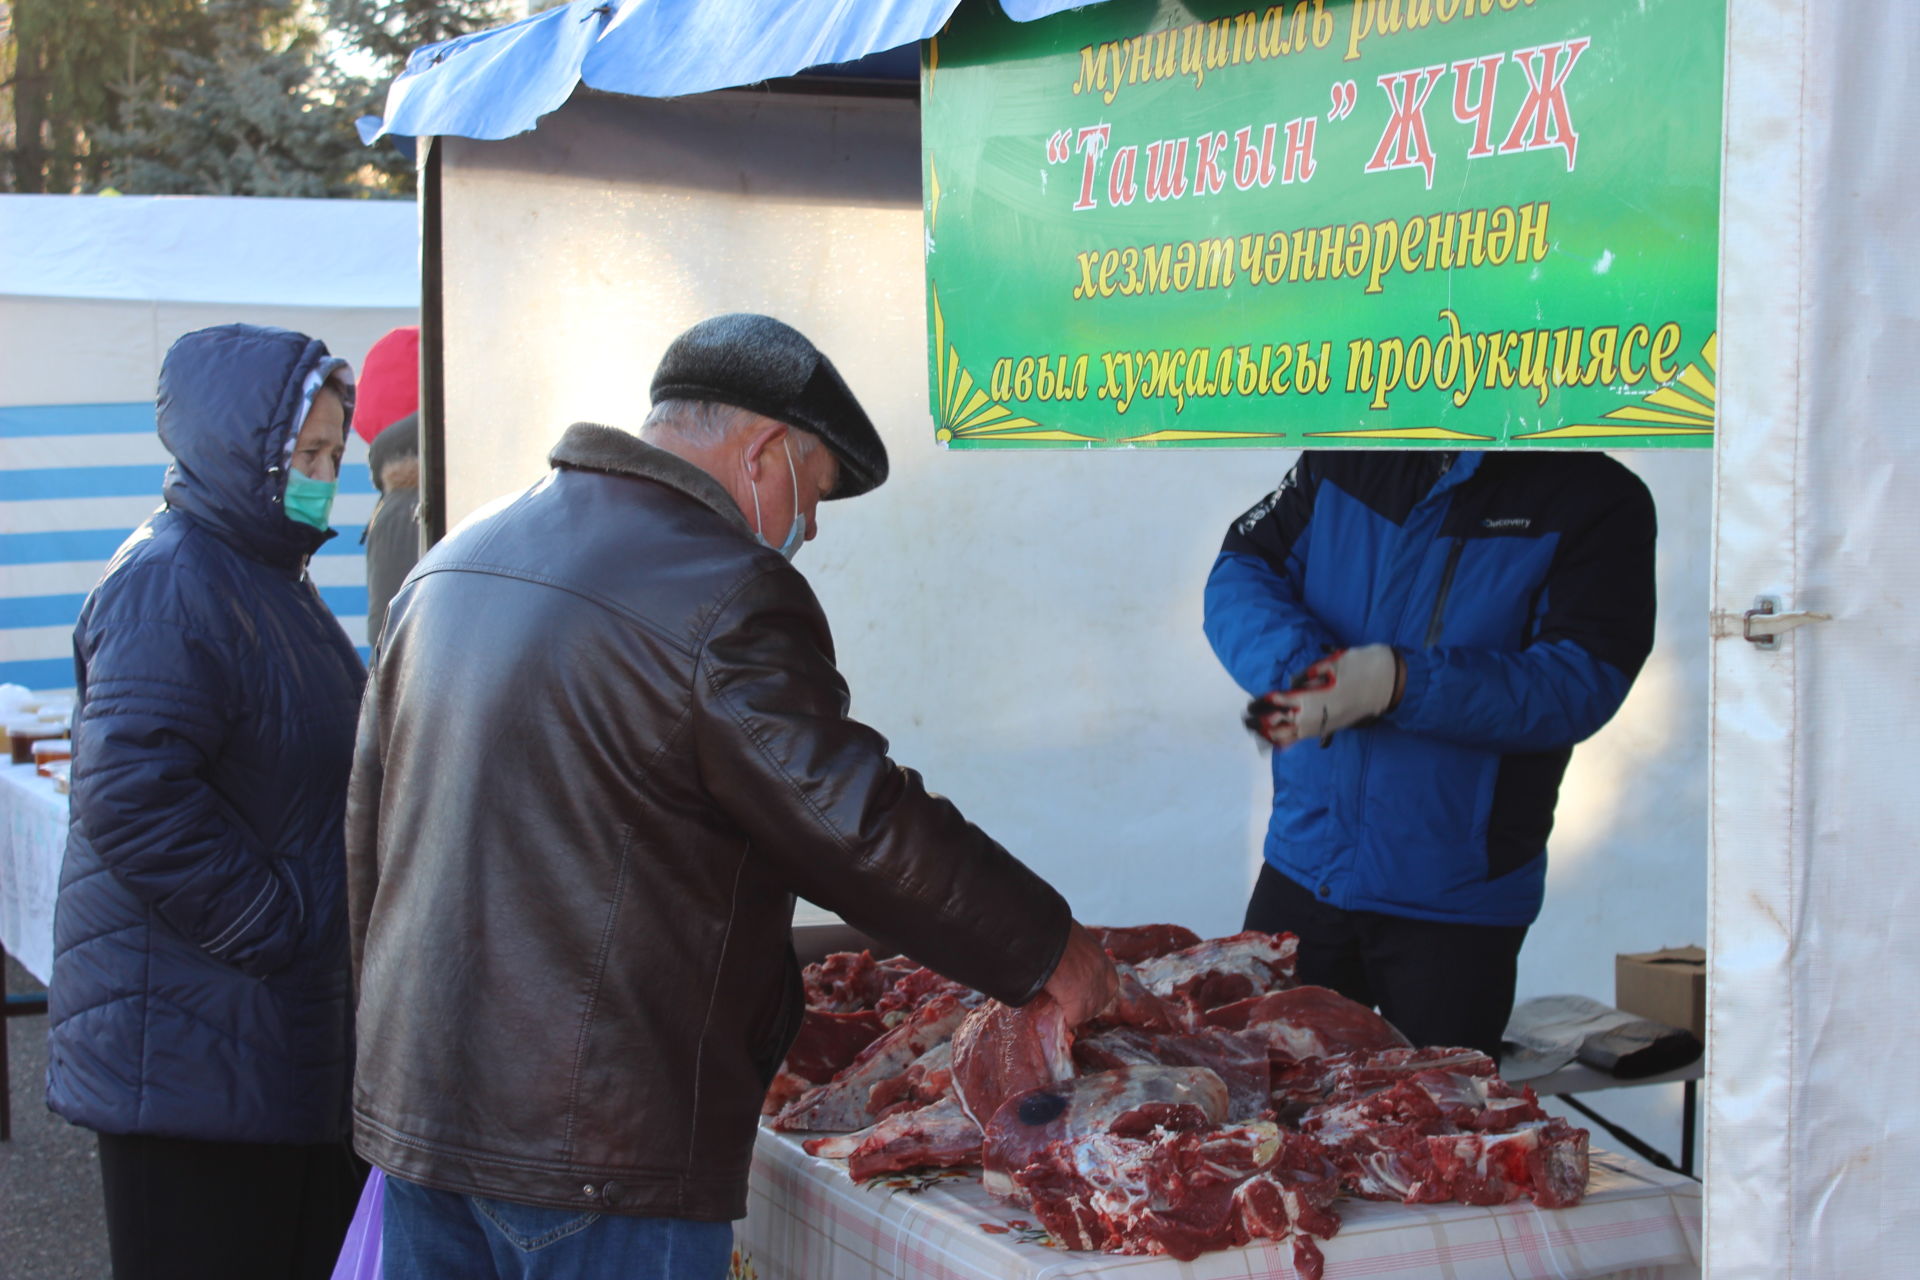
(323, 439)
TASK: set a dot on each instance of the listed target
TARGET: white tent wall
(92, 293)
(1025, 628)
(1812, 1148)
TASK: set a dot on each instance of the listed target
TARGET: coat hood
(231, 399)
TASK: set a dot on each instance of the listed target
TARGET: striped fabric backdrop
(75, 480)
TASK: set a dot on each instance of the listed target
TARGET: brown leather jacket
(603, 747)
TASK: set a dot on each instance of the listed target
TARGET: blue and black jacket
(200, 985)
(1519, 589)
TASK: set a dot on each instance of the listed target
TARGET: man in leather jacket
(604, 746)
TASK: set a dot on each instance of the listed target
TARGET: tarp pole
(433, 420)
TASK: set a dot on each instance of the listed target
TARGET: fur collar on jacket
(592, 447)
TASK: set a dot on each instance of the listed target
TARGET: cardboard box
(1667, 986)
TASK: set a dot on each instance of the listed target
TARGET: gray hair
(708, 422)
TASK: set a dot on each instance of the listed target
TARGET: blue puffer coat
(1518, 588)
(200, 984)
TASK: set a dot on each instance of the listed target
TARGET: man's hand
(1337, 692)
(1084, 983)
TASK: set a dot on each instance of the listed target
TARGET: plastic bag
(360, 1253)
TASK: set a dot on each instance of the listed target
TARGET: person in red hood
(388, 418)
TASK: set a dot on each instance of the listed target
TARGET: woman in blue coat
(201, 1017)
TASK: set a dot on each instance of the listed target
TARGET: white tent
(92, 292)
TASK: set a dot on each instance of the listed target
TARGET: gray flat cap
(759, 364)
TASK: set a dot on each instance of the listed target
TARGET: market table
(807, 1221)
(33, 839)
(33, 817)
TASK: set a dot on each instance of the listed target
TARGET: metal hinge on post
(1764, 624)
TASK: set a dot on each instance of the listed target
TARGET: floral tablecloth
(807, 1221)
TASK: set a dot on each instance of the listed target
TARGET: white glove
(1337, 692)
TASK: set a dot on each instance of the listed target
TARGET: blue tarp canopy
(498, 83)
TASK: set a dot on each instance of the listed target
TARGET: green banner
(1455, 223)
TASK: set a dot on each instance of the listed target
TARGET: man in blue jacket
(1426, 635)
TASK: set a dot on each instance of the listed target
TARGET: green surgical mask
(309, 501)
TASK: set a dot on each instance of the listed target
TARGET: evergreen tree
(66, 66)
(240, 97)
(256, 112)
(389, 30)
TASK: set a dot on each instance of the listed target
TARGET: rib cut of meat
(1309, 1022)
(841, 1104)
(1130, 944)
(1239, 1059)
(829, 1041)
(1077, 1110)
(938, 1136)
(1546, 1160)
(1435, 1101)
(1222, 970)
(927, 1079)
(1000, 1051)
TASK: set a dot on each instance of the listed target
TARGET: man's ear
(761, 439)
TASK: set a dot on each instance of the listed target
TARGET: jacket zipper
(1446, 585)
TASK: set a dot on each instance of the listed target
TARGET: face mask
(798, 533)
(309, 501)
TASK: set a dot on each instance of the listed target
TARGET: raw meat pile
(1213, 1104)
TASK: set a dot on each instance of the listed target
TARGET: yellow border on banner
(1665, 412)
(1397, 433)
(1156, 437)
(965, 411)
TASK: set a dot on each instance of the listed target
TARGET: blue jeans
(440, 1235)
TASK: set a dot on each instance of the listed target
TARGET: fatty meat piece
(1135, 1006)
(1183, 1192)
(1001, 1050)
(1310, 1082)
(1309, 1022)
(1074, 1111)
(840, 1105)
(1238, 1058)
(1222, 970)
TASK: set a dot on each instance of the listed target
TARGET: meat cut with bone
(842, 1104)
(938, 1136)
(1001, 1050)
(1222, 970)
(1213, 1103)
(1074, 1111)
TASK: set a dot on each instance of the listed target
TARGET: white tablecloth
(33, 839)
(807, 1221)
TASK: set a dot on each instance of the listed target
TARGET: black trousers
(178, 1207)
(1440, 984)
